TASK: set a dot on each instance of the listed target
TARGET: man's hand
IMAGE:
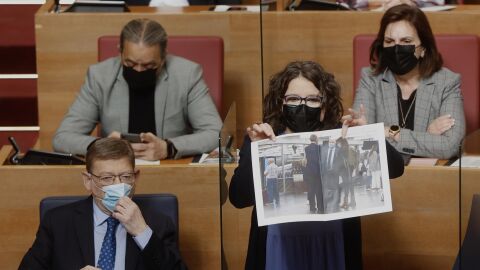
(115, 134)
(260, 131)
(152, 148)
(441, 124)
(89, 267)
(128, 213)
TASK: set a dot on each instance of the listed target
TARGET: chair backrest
(154, 204)
(467, 258)
(204, 50)
(460, 54)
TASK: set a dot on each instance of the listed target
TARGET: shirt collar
(99, 217)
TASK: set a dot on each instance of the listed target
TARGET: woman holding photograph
(302, 97)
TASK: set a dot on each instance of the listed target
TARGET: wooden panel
(422, 231)
(235, 230)
(67, 45)
(23, 188)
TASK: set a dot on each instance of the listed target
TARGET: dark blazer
(65, 241)
(241, 193)
(312, 154)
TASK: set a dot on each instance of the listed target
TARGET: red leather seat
(460, 54)
(204, 50)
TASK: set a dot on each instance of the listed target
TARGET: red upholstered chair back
(460, 54)
(204, 50)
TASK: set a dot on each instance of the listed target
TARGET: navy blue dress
(305, 245)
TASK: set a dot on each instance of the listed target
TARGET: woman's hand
(260, 131)
(355, 118)
(441, 124)
(344, 128)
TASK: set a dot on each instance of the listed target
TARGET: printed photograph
(321, 175)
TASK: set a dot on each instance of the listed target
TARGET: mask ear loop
(95, 184)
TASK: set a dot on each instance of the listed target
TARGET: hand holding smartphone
(131, 137)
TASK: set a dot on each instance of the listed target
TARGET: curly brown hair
(312, 71)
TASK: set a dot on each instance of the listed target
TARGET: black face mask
(400, 59)
(141, 81)
(302, 118)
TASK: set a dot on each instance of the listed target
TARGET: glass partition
(433, 203)
(424, 229)
(470, 203)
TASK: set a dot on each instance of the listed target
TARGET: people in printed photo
(271, 174)
(311, 175)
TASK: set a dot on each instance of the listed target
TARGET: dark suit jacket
(312, 154)
(65, 241)
(339, 164)
(242, 194)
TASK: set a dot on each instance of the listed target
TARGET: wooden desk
(422, 232)
(24, 186)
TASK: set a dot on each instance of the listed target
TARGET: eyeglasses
(310, 101)
(127, 178)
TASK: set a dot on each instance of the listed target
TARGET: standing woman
(374, 167)
(407, 89)
(302, 97)
(346, 174)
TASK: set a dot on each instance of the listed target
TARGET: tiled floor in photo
(295, 204)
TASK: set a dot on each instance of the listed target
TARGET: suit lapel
(84, 230)
(161, 91)
(423, 104)
(389, 91)
(131, 254)
(123, 100)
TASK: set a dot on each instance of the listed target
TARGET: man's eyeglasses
(127, 178)
(310, 101)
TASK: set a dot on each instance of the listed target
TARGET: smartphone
(236, 9)
(131, 137)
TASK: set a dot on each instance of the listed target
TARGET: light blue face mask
(113, 193)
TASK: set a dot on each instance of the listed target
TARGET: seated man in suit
(144, 90)
(106, 230)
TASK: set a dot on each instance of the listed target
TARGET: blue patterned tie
(106, 260)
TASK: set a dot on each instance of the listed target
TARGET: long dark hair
(323, 81)
(432, 60)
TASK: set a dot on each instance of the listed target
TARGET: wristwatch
(393, 130)
(171, 150)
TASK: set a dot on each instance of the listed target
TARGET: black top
(241, 194)
(408, 109)
(141, 116)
